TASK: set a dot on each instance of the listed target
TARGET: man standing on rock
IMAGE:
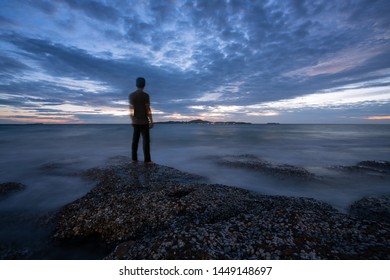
(141, 118)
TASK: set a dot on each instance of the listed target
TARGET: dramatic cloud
(260, 61)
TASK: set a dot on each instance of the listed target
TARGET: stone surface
(156, 212)
(376, 208)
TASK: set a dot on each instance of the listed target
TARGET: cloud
(266, 113)
(338, 62)
(6, 22)
(332, 99)
(222, 58)
(11, 65)
(94, 9)
(213, 96)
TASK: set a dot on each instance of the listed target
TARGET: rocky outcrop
(376, 208)
(156, 212)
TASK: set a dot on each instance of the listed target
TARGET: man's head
(140, 82)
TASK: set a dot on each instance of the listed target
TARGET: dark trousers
(144, 130)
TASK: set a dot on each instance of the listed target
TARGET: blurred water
(314, 147)
(46, 158)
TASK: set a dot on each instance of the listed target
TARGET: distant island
(198, 121)
(37, 123)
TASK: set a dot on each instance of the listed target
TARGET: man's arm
(150, 116)
(131, 109)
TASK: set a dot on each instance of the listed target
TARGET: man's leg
(146, 143)
(134, 146)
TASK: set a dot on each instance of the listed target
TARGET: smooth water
(314, 147)
(46, 158)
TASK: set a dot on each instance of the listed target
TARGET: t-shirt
(140, 99)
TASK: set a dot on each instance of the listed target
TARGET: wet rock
(24, 234)
(10, 187)
(9, 253)
(378, 166)
(301, 235)
(368, 167)
(62, 167)
(156, 212)
(116, 160)
(372, 208)
(131, 200)
(254, 163)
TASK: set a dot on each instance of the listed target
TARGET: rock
(62, 167)
(372, 208)
(254, 163)
(379, 166)
(24, 234)
(157, 212)
(367, 166)
(14, 254)
(10, 187)
(129, 200)
(276, 228)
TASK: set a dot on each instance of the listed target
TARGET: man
(141, 118)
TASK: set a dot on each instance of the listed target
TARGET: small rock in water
(254, 163)
(367, 166)
(10, 187)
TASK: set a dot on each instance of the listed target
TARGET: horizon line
(188, 122)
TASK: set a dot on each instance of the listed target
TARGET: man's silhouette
(141, 118)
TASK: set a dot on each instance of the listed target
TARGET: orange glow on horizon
(44, 121)
(378, 118)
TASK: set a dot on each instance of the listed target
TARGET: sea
(45, 158)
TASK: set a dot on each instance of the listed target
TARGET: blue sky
(74, 61)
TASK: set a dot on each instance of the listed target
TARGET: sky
(290, 61)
